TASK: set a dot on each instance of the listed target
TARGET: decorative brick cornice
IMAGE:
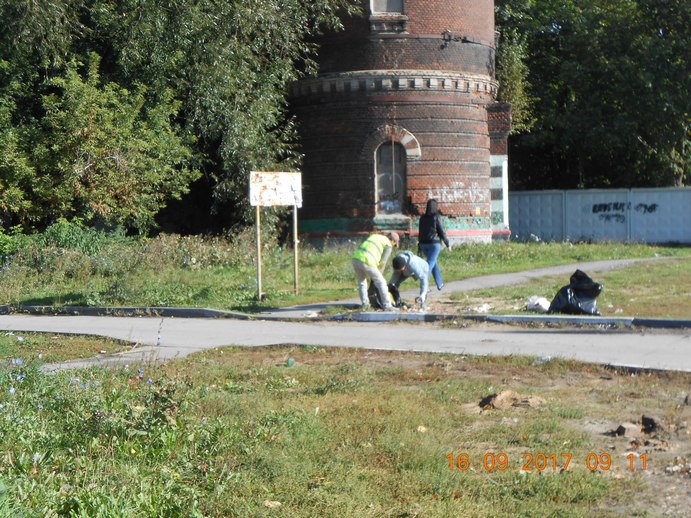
(394, 80)
(388, 23)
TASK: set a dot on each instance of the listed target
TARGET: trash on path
(542, 360)
(627, 430)
(578, 298)
(536, 303)
(483, 309)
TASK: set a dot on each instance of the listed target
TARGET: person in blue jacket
(431, 233)
(407, 264)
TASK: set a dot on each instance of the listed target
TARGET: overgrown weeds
(236, 432)
(70, 264)
(54, 348)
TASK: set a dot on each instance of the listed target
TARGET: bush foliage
(110, 110)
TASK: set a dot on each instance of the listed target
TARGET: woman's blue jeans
(431, 251)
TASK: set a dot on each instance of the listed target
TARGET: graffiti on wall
(616, 211)
(646, 209)
(652, 215)
(459, 192)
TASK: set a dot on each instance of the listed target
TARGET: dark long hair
(431, 207)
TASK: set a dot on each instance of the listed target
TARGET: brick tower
(403, 109)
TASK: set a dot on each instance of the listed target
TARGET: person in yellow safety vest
(369, 261)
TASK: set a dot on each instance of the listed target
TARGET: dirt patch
(507, 399)
(594, 401)
(472, 305)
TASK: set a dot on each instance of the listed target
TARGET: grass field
(49, 348)
(655, 289)
(71, 265)
(307, 431)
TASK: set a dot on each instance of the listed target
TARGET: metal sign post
(295, 246)
(260, 295)
(270, 189)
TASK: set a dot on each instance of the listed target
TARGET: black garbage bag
(578, 298)
(375, 299)
(395, 295)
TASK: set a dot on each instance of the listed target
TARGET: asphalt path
(167, 338)
(180, 337)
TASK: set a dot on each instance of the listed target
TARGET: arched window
(387, 6)
(391, 178)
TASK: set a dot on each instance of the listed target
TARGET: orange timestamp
(543, 461)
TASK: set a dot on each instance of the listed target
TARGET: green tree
(215, 70)
(612, 87)
(103, 156)
(229, 62)
(16, 171)
(514, 85)
(664, 51)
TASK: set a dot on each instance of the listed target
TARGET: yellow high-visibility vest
(372, 249)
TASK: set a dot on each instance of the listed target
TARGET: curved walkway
(473, 283)
(160, 338)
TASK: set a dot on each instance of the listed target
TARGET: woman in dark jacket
(430, 235)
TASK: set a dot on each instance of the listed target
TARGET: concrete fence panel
(661, 215)
(625, 215)
(537, 213)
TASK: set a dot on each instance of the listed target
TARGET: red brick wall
(422, 47)
(499, 122)
(337, 175)
(472, 18)
(449, 122)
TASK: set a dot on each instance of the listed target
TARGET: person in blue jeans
(431, 234)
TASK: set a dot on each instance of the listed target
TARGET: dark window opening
(390, 178)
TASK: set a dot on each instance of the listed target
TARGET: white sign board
(271, 188)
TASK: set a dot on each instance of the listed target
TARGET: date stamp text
(545, 461)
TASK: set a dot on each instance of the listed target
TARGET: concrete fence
(626, 215)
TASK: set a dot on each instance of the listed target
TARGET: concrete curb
(125, 311)
(298, 314)
(564, 320)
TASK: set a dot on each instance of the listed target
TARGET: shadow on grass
(65, 299)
